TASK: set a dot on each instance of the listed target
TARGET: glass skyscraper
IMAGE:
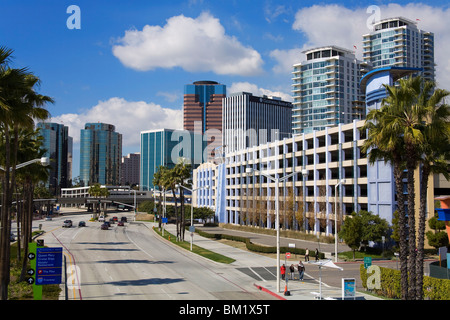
(398, 42)
(165, 147)
(326, 89)
(100, 154)
(58, 146)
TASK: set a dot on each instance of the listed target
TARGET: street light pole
(277, 213)
(192, 204)
(335, 220)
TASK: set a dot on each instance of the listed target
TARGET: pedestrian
(317, 254)
(307, 255)
(292, 270)
(301, 270)
(283, 271)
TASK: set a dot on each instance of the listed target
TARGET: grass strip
(195, 249)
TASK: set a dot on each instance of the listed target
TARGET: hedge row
(255, 247)
(433, 288)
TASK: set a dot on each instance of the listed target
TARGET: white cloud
(286, 59)
(337, 25)
(129, 118)
(257, 91)
(196, 45)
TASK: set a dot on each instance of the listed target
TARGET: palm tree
(411, 128)
(382, 144)
(18, 101)
(394, 135)
(96, 192)
(159, 182)
(435, 155)
(182, 172)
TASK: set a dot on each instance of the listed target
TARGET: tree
(384, 142)
(435, 156)
(373, 227)
(181, 173)
(19, 105)
(352, 232)
(411, 129)
(158, 183)
(437, 238)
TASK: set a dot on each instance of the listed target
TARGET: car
(115, 219)
(104, 226)
(81, 224)
(107, 223)
(11, 237)
(48, 218)
(111, 221)
(101, 218)
(123, 219)
(67, 224)
(120, 223)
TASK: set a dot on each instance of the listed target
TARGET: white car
(101, 218)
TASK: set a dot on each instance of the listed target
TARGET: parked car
(82, 224)
(120, 223)
(67, 224)
(104, 226)
(48, 218)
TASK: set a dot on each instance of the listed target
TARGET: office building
(326, 89)
(130, 169)
(100, 154)
(202, 110)
(399, 42)
(58, 146)
(250, 120)
(165, 147)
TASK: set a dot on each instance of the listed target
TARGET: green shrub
(256, 247)
(433, 288)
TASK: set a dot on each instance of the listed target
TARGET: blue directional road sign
(48, 266)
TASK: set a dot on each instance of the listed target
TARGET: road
(132, 262)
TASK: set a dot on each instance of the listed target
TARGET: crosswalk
(264, 273)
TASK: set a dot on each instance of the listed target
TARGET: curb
(269, 292)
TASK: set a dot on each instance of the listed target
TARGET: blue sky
(130, 60)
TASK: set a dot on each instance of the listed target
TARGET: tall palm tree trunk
(421, 234)
(411, 165)
(403, 231)
(5, 223)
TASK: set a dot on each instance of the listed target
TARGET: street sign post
(45, 267)
(367, 262)
(48, 266)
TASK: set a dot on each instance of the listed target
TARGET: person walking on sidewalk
(301, 270)
(307, 255)
(292, 271)
(283, 271)
(317, 254)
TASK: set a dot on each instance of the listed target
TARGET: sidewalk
(308, 289)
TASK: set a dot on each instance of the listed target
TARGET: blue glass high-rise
(100, 154)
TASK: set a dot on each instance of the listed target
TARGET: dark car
(82, 224)
(104, 226)
(107, 223)
(120, 223)
(123, 219)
